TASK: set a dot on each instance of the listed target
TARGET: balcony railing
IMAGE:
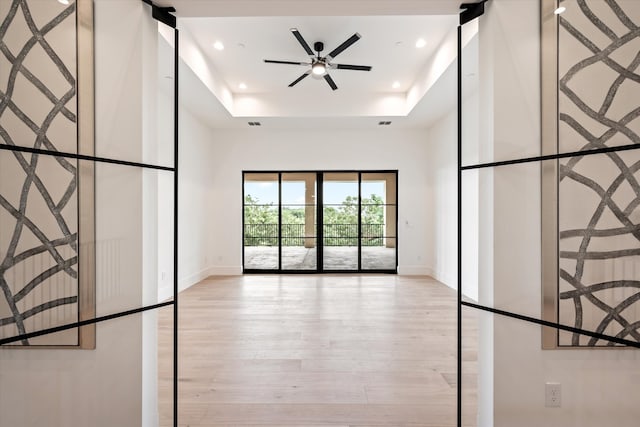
(294, 235)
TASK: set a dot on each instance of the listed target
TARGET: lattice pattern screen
(39, 250)
(599, 195)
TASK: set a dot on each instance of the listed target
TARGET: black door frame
(320, 222)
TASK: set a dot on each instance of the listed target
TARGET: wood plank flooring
(317, 350)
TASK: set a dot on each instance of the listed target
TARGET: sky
(293, 191)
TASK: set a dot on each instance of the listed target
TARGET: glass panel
(39, 85)
(470, 230)
(162, 151)
(135, 99)
(165, 367)
(340, 215)
(73, 246)
(470, 354)
(261, 228)
(380, 257)
(510, 73)
(508, 231)
(599, 253)
(106, 386)
(474, 150)
(379, 221)
(39, 247)
(590, 260)
(471, 147)
(299, 221)
(134, 237)
(514, 375)
(594, 108)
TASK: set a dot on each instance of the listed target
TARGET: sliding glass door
(261, 225)
(298, 222)
(339, 221)
(378, 213)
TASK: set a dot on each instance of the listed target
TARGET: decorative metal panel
(597, 233)
(46, 203)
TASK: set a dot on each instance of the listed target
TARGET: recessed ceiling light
(420, 43)
(242, 86)
(559, 10)
(395, 85)
(218, 45)
(64, 1)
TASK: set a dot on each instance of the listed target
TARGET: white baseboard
(446, 279)
(225, 270)
(192, 279)
(403, 270)
(450, 281)
(414, 270)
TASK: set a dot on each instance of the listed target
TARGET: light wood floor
(317, 350)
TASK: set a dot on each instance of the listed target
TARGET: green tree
(260, 223)
(292, 215)
(341, 222)
(257, 213)
(373, 210)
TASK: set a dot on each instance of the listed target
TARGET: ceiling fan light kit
(320, 65)
(318, 68)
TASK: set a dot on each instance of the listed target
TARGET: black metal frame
(163, 15)
(459, 154)
(279, 222)
(176, 152)
(320, 220)
(472, 11)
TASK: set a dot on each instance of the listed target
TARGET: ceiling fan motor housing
(321, 64)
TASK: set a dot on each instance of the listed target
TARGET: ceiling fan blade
(271, 61)
(351, 40)
(352, 67)
(329, 80)
(296, 81)
(302, 41)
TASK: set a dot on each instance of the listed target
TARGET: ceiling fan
(320, 65)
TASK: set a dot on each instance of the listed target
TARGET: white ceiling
(363, 98)
(236, 8)
(391, 53)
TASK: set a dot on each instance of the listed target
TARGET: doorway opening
(320, 221)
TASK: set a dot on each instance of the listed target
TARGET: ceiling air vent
(255, 124)
(385, 123)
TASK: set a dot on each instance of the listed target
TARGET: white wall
(196, 150)
(105, 386)
(442, 165)
(322, 149)
(443, 179)
(163, 213)
(196, 198)
(116, 384)
(598, 387)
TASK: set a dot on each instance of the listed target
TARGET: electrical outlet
(552, 395)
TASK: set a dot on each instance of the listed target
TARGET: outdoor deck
(335, 258)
